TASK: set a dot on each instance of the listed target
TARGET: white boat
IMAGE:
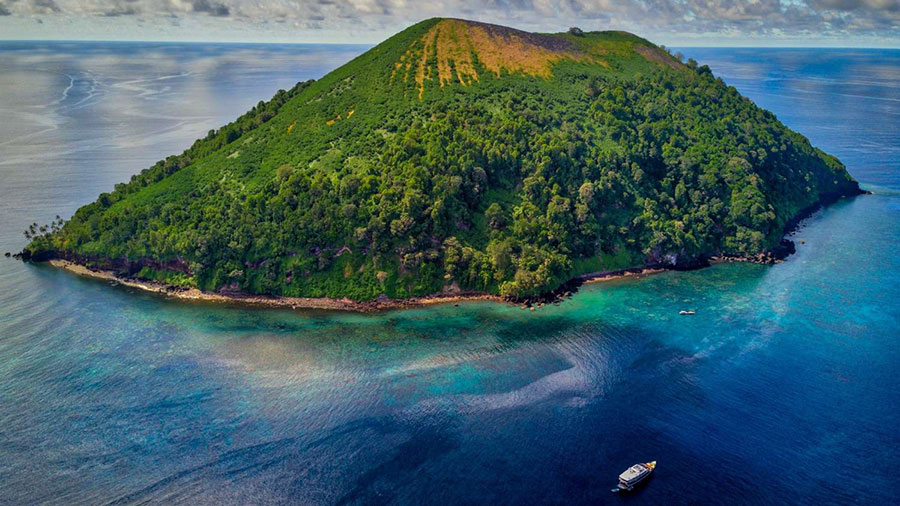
(687, 312)
(635, 475)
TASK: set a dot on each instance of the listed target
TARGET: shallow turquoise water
(783, 388)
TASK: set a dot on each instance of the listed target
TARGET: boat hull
(639, 477)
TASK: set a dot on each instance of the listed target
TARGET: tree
(495, 217)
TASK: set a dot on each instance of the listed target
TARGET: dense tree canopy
(590, 151)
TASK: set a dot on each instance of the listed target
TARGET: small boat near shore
(634, 475)
(687, 312)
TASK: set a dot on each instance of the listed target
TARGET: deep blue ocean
(783, 389)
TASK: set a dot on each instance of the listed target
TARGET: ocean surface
(783, 389)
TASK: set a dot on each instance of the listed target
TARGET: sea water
(783, 388)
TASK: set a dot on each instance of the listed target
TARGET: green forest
(463, 155)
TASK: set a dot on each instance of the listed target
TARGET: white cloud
(370, 20)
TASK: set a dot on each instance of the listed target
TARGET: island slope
(462, 156)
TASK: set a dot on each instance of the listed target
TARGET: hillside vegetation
(464, 155)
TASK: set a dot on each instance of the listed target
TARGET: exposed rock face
(122, 267)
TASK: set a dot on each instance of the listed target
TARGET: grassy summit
(461, 154)
(454, 51)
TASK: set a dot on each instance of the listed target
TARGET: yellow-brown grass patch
(658, 55)
(455, 45)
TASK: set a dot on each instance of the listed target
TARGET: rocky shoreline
(270, 301)
(376, 305)
(334, 304)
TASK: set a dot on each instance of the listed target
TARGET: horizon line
(372, 44)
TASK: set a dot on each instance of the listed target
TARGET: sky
(846, 23)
